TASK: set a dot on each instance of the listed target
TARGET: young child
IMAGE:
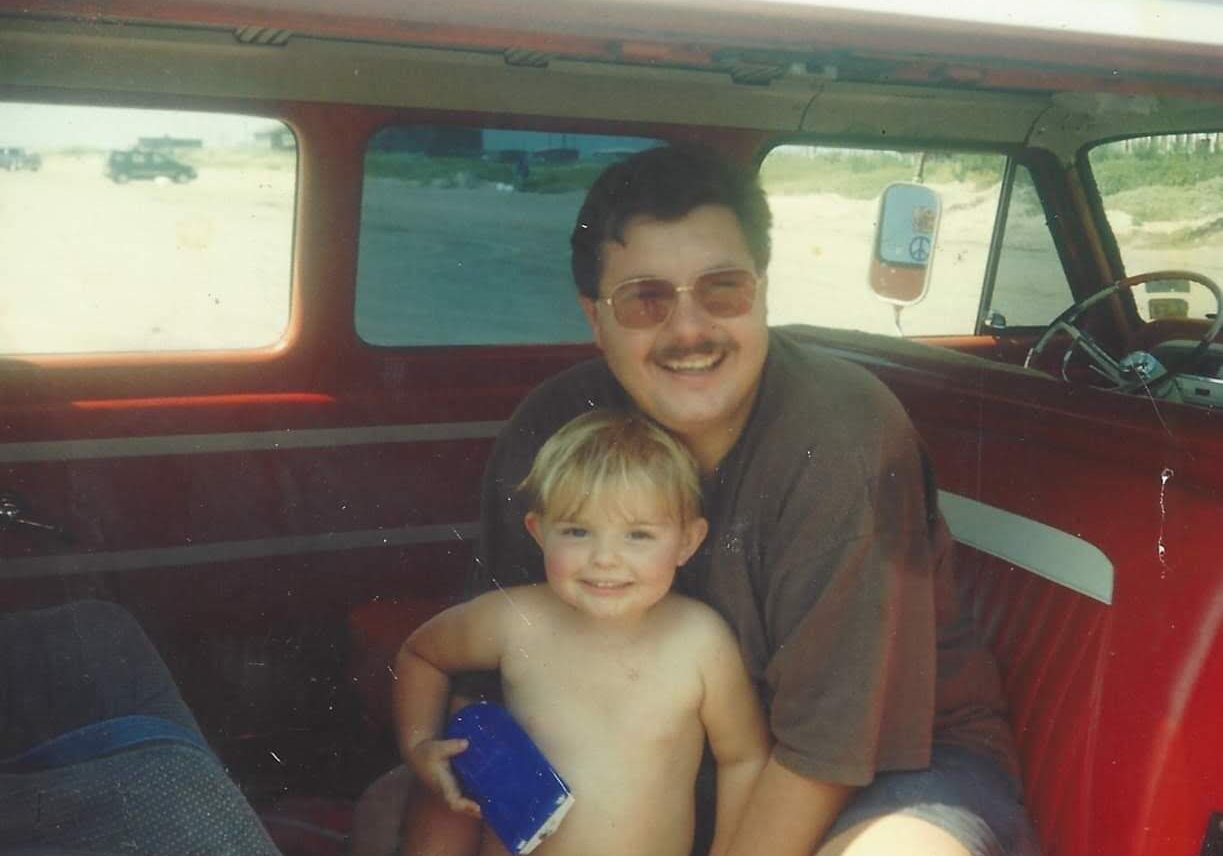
(617, 679)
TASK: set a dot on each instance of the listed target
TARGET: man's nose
(688, 314)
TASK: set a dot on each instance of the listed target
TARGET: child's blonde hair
(610, 449)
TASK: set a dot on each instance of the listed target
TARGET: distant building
(555, 156)
(546, 147)
(278, 139)
(167, 143)
(430, 140)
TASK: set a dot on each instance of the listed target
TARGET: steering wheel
(1138, 369)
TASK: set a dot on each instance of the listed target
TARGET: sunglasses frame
(693, 287)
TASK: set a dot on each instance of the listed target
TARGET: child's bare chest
(577, 694)
(623, 729)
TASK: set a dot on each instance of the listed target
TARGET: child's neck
(617, 630)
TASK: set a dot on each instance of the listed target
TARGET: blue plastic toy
(522, 797)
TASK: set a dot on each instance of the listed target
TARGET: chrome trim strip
(1045, 551)
(228, 551)
(288, 438)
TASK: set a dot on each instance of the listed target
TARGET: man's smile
(703, 358)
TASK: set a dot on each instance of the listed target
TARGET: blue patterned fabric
(99, 739)
(111, 760)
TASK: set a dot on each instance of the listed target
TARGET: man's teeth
(693, 363)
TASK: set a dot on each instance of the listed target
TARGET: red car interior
(1099, 694)
(280, 520)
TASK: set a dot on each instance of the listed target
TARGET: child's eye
(574, 531)
(641, 535)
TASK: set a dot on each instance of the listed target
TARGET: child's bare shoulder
(526, 601)
(697, 622)
(691, 610)
(523, 606)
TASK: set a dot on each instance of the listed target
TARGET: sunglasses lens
(726, 293)
(643, 303)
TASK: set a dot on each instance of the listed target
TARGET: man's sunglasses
(640, 304)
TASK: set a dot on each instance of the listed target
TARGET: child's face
(615, 557)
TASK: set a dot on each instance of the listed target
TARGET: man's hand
(431, 760)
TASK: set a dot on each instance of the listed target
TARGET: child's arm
(466, 637)
(737, 732)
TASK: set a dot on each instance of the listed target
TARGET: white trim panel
(1045, 551)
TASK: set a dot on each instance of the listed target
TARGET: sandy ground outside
(88, 265)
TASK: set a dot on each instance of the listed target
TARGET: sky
(47, 127)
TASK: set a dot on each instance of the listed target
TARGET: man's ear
(590, 310)
(694, 533)
(535, 525)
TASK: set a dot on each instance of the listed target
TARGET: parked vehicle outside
(140, 165)
(13, 159)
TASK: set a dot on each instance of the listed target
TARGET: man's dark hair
(665, 184)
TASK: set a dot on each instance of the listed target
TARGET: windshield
(1163, 197)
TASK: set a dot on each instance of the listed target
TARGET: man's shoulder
(580, 381)
(566, 395)
(809, 356)
(547, 407)
(812, 388)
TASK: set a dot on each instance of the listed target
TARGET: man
(826, 553)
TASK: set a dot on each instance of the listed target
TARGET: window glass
(128, 230)
(465, 234)
(1030, 286)
(1163, 197)
(825, 204)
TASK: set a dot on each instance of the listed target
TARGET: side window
(825, 204)
(465, 234)
(1163, 197)
(129, 230)
(1030, 285)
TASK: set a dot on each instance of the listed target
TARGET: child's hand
(431, 760)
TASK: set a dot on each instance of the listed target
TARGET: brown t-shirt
(826, 555)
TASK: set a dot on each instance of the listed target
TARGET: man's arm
(735, 726)
(787, 814)
(468, 636)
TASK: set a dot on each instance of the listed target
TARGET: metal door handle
(14, 512)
